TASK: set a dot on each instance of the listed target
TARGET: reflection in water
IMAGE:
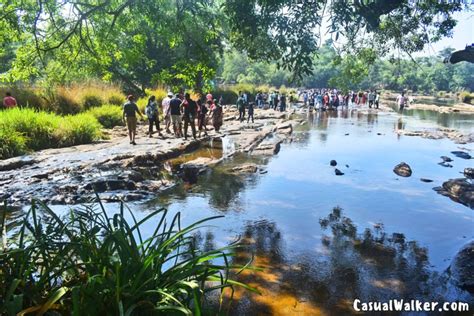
(371, 266)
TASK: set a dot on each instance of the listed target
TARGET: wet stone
(462, 267)
(445, 164)
(426, 180)
(469, 173)
(461, 154)
(338, 172)
(446, 159)
(333, 163)
(403, 170)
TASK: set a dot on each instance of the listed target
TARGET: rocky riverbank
(119, 170)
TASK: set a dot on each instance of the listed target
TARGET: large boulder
(403, 170)
(462, 268)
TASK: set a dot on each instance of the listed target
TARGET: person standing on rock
(189, 109)
(165, 106)
(283, 103)
(153, 115)
(241, 107)
(9, 101)
(250, 112)
(203, 110)
(175, 113)
(130, 110)
(217, 116)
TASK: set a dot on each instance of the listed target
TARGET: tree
(289, 31)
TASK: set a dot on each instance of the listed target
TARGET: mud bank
(120, 171)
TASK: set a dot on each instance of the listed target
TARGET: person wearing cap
(165, 108)
(130, 110)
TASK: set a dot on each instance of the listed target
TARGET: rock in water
(461, 154)
(462, 268)
(338, 172)
(469, 173)
(446, 159)
(445, 164)
(426, 180)
(245, 168)
(403, 170)
(333, 163)
(459, 190)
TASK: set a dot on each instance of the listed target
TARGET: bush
(107, 115)
(90, 263)
(116, 99)
(78, 129)
(36, 130)
(466, 97)
(62, 102)
(27, 97)
(12, 144)
(90, 100)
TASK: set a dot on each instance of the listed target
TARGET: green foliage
(36, 130)
(107, 115)
(466, 97)
(92, 263)
(91, 100)
(78, 129)
(228, 96)
(12, 143)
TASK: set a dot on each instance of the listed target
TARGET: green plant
(92, 263)
(12, 144)
(91, 100)
(116, 99)
(78, 129)
(228, 96)
(28, 129)
(107, 115)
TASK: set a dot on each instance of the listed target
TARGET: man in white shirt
(401, 101)
(165, 106)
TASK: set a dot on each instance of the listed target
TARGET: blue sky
(463, 34)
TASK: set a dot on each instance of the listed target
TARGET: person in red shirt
(9, 101)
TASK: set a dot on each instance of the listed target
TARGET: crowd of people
(333, 98)
(180, 113)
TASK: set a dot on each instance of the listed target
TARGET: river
(325, 239)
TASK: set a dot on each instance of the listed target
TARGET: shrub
(36, 126)
(36, 130)
(107, 115)
(90, 263)
(62, 102)
(91, 100)
(116, 99)
(77, 129)
(12, 144)
(466, 97)
(27, 97)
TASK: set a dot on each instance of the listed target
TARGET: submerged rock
(461, 154)
(245, 168)
(446, 159)
(459, 190)
(338, 172)
(426, 180)
(462, 268)
(445, 164)
(333, 163)
(403, 170)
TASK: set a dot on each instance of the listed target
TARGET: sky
(463, 34)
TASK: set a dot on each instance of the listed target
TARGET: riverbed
(322, 239)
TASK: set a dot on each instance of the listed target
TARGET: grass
(28, 130)
(71, 99)
(108, 115)
(90, 263)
